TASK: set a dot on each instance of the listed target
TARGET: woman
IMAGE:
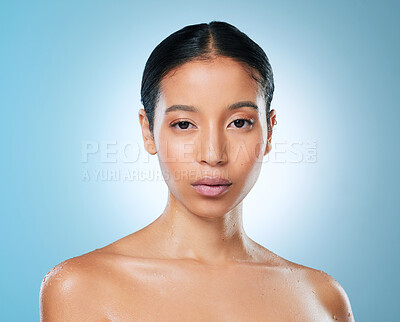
(206, 91)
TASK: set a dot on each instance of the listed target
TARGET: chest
(230, 295)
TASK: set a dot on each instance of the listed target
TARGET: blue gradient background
(70, 72)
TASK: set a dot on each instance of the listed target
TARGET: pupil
(183, 125)
(239, 123)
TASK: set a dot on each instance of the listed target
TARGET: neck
(211, 240)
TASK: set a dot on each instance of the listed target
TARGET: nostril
(211, 149)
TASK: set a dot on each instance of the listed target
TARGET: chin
(210, 207)
(209, 213)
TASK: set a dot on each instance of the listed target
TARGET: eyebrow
(190, 108)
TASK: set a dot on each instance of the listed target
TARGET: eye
(183, 125)
(242, 123)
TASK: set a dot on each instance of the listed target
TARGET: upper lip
(212, 181)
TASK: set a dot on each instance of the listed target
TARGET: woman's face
(210, 125)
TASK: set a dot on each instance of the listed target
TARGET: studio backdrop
(75, 175)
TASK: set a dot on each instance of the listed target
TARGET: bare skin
(195, 262)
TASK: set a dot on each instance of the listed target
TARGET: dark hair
(203, 42)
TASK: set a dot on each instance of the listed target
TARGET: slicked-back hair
(204, 41)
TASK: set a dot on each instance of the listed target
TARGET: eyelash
(249, 122)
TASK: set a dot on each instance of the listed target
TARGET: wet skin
(195, 262)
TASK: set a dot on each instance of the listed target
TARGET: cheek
(246, 160)
(259, 149)
(173, 148)
(176, 161)
(247, 151)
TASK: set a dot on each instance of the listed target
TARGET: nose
(212, 147)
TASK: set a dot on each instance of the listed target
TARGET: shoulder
(330, 294)
(68, 290)
(327, 293)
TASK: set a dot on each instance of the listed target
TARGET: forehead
(218, 82)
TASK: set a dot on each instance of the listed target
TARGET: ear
(272, 120)
(148, 139)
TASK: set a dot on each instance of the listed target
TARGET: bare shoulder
(329, 293)
(326, 293)
(68, 290)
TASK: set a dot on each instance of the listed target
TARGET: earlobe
(272, 123)
(268, 147)
(148, 139)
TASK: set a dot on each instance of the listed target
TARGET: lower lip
(210, 191)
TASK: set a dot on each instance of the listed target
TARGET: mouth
(211, 186)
